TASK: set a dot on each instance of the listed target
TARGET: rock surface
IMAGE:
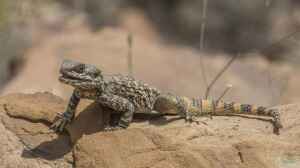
(25, 138)
(223, 142)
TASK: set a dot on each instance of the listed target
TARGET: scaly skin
(128, 96)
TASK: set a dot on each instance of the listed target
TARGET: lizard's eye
(80, 68)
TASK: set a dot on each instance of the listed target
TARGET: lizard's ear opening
(166, 104)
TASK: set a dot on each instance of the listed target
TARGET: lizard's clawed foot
(60, 122)
(190, 120)
(112, 128)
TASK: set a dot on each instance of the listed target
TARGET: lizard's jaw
(77, 81)
(74, 76)
(71, 78)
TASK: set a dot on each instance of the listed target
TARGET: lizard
(128, 96)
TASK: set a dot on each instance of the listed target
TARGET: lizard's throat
(84, 85)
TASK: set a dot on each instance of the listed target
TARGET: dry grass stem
(129, 55)
(202, 34)
(219, 75)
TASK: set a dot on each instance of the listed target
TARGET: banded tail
(190, 108)
(224, 108)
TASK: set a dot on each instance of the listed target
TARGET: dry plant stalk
(209, 87)
(290, 35)
(262, 50)
(202, 34)
(203, 24)
(129, 55)
(228, 87)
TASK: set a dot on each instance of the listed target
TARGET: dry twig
(202, 33)
(219, 75)
(129, 55)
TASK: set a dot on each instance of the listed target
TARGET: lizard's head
(79, 75)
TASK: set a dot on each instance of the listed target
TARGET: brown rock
(232, 142)
(24, 128)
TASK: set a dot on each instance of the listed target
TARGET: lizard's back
(140, 94)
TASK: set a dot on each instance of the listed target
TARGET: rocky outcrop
(25, 138)
(230, 142)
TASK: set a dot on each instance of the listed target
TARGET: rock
(164, 142)
(25, 138)
(38, 107)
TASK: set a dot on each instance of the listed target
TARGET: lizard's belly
(142, 110)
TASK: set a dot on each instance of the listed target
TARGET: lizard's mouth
(81, 82)
(73, 77)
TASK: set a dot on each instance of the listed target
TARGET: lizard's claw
(189, 119)
(277, 126)
(192, 119)
(60, 122)
(114, 128)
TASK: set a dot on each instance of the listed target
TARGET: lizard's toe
(58, 125)
(55, 127)
(60, 122)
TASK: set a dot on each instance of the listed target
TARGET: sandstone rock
(25, 138)
(165, 142)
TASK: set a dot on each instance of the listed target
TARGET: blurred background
(178, 45)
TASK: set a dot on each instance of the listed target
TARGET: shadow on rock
(90, 120)
(50, 150)
(163, 120)
(94, 118)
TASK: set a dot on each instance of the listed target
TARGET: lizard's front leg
(119, 104)
(62, 119)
